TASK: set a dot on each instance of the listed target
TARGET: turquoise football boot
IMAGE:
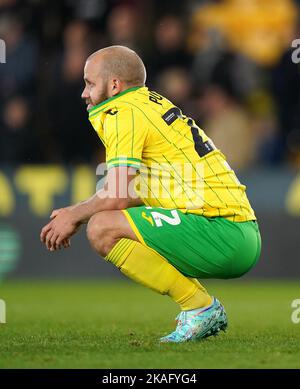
(198, 323)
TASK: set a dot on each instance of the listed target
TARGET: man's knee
(94, 229)
(105, 228)
(100, 232)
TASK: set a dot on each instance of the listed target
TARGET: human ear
(115, 86)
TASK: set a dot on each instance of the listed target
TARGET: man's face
(95, 90)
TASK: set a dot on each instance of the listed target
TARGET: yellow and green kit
(196, 213)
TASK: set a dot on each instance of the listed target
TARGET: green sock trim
(120, 252)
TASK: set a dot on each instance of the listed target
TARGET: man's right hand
(67, 241)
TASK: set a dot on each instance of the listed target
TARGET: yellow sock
(145, 266)
(196, 282)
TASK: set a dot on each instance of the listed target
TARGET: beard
(101, 96)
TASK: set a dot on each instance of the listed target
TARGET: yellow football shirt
(178, 165)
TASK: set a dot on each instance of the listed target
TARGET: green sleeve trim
(116, 164)
(124, 159)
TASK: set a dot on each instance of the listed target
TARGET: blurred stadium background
(227, 63)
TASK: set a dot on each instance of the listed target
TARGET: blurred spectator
(286, 92)
(261, 109)
(229, 127)
(66, 113)
(176, 85)
(258, 29)
(170, 47)
(123, 27)
(18, 75)
(7, 4)
(293, 146)
(17, 92)
(17, 140)
(88, 9)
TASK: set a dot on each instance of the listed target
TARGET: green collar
(114, 97)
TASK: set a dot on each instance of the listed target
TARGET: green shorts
(198, 246)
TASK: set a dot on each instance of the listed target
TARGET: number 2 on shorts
(158, 217)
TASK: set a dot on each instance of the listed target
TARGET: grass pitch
(116, 325)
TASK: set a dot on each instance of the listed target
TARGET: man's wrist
(76, 216)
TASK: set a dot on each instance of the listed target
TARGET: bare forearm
(83, 211)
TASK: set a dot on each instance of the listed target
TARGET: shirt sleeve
(125, 135)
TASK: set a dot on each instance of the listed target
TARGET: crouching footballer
(172, 211)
